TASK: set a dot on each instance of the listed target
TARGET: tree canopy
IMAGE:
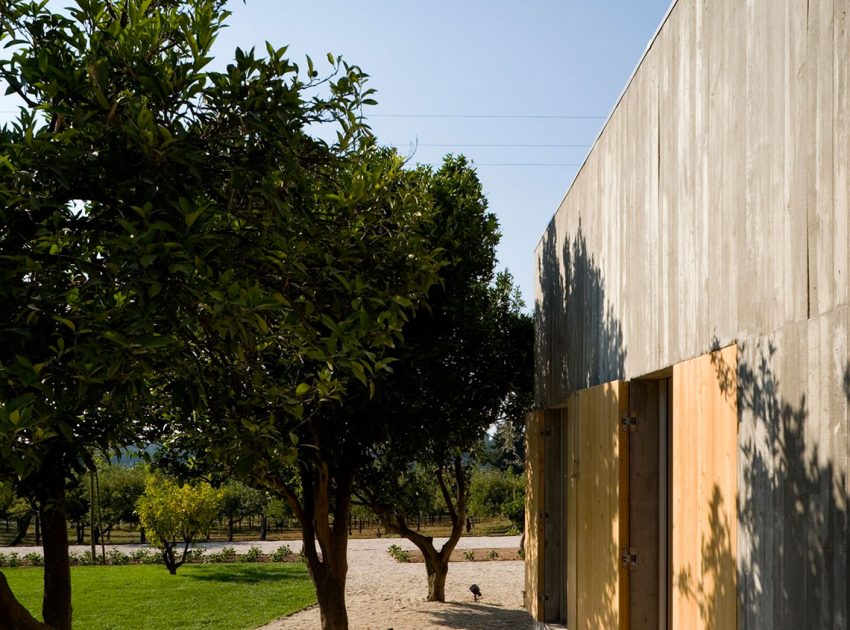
(465, 365)
(180, 243)
(225, 263)
(175, 514)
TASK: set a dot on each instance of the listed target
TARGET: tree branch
(447, 497)
(460, 514)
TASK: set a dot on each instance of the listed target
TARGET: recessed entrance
(648, 556)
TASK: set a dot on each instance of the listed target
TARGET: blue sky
(474, 58)
(477, 57)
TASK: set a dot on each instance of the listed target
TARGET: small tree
(175, 514)
(239, 501)
(465, 364)
(120, 489)
(495, 492)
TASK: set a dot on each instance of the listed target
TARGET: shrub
(493, 555)
(469, 555)
(139, 555)
(281, 553)
(13, 560)
(34, 559)
(228, 554)
(150, 557)
(196, 554)
(253, 554)
(117, 557)
(521, 553)
(2, 559)
(398, 554)
(85, 559)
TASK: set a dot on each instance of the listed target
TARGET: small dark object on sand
(476, 592)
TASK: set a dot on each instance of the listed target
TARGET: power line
(539, 116)
(583, 146)
(535, 164)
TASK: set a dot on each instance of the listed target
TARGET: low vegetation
(200, 596)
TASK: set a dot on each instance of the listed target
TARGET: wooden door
(704, 491)
(534, 499)
(598, 527)
(645, 493)
(553, 526)
(571, 518)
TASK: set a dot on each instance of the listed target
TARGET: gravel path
(382, 593)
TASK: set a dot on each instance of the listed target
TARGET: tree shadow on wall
(792, 503)
(710, 590)
(578, 339)
(579, 344)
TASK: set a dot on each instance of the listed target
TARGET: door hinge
(628, 558)
(629, 421)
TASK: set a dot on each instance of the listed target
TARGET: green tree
(239, 501)
(175, 515)
(372, 265)
(119, 489)
(16, 509)
(176, 245)
(494, 492)
(465, 364)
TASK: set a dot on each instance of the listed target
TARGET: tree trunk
(56, 605)
(23, 523)
(169, 558)
(436, 562)
(437, 568)
(230, 529)
(14, 615)
(329, 571)
(330, 591)
(264, 525)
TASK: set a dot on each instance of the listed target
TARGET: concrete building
(688, 465)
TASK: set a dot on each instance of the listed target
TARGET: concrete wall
(714, 209)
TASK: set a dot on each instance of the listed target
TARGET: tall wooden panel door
(704, 491)
(646, 533)
(570, 518)
(534, 499)
(598, 496)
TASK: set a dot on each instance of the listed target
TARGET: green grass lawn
(226, 596)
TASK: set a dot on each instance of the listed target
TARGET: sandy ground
(382, 593)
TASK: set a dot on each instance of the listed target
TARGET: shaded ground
(383, 593)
